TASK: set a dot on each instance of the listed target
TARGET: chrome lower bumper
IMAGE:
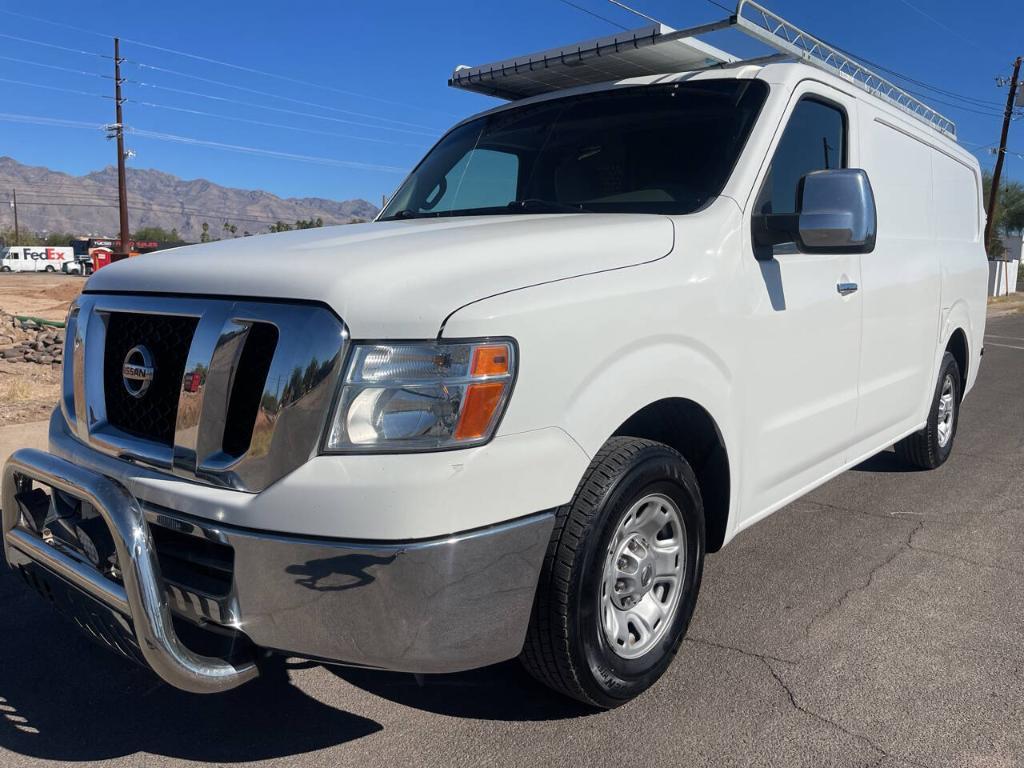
(441, 605)
(141, 596)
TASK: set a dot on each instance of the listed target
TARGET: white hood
(398, 279)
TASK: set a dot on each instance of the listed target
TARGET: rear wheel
(621, 576)
(930, 447)
(49, 268)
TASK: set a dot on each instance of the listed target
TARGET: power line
(274, 125)
(57, 122)
(922, 83)
(9, 117)
(592, 13)
(49, 45)
(53, 88)
(264, 152)
(268, 94)
(725, 8)
(209, 60)
(254, 105)
(52, 66)
(937, 22)
(952, 105)
(634, 11)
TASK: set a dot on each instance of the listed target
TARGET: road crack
(883, 754)
(750, 654)
(837, 606)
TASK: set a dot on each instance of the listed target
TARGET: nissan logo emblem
(137, 371)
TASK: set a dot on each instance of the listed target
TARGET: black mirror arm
(776, 228)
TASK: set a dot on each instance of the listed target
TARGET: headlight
(422, 396)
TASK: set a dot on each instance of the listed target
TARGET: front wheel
(621, 576)
(5, 268)
(930, 447)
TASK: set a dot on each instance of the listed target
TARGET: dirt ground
(39, 294)
(29, 391)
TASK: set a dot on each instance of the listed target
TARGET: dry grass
(1006, 305)
(16, 390)
(28, 392)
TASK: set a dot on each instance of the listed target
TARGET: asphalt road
(876, 622)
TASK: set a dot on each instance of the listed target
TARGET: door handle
(845, 289)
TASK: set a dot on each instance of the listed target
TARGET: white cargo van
(33, 258)
(597, 332)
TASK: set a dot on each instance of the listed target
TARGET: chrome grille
(222, 408)
(168, 338)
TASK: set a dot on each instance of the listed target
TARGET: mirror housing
(836, 215)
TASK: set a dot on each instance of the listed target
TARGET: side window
(814, 140)
(483, 178)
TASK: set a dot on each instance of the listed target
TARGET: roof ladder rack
(773, 30)
(660, 50)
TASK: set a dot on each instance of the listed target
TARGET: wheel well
(687, 427)
(957, 347)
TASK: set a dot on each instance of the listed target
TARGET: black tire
(5, 268)
(49, 268)
(565, 647)
(925, 449)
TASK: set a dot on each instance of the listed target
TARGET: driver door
(803, 333)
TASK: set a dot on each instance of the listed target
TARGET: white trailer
(32, 258)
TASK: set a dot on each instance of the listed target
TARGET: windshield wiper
(550, 206)
(405, 213)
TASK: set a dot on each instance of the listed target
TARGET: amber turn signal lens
(490, 360)
(481, 402)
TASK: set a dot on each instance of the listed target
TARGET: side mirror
(837, 215)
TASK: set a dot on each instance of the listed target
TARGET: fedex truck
(31, 258)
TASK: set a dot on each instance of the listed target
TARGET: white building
(1002, 274)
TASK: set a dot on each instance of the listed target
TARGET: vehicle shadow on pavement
(886, 462)
(64, 698)
(499, 692)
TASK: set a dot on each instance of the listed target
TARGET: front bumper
(439, 605)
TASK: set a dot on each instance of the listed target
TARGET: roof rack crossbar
(664, 50)
(771, 29)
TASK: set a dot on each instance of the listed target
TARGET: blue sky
(348, 72)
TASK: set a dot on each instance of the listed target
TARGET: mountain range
(51, 201)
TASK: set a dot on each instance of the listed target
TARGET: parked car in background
(78, 266)
(596, 333)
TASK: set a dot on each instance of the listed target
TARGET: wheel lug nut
(622, 563)
(620, 585)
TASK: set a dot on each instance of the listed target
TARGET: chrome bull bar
(142, 596)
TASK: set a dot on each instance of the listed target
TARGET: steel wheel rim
(642, 581)
(946, 410)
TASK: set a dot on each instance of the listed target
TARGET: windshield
(665, 149)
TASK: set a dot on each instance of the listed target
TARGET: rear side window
(814, 140)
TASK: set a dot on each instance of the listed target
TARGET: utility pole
(993, 194)
(14, 205)
(122, 187)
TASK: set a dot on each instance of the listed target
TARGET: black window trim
(820, 99)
